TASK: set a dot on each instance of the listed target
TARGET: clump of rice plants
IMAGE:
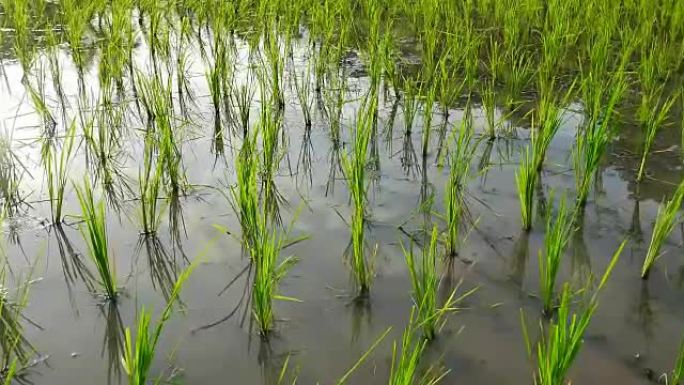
(548, 119)
(11, 174)
(666, 219)
(650, 126)
(406, 360)
(15, 348)
(459, 174)
(488, 96)
(245, 194)
(593, 140)
(268, 272)
(556, 239)
(425, 282)
(56, 169)
(410, 104)
(94, 232)
(242, 100)
(355, 169)
(138, 354)
(526, 181)
(304, 95)
(150, 180)
(562, 340)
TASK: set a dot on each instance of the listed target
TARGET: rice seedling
(12, 171)
(270, 129)
(410, 104)
(15, 348)
(245, 194)
(428, 107)
(56, 169)
(149, 180)
(406, 360)
(242, 100)
(94, 232)
(665, 221)
(455, 188)
(488, 96)
(592, 142)
(517, 76)
(525, 181)
(138, 354)
(431, 315)
(20, 16)
(549, 119)
(678, 372)
(655, 120)
(556, 238)
(562, 340)
(268, 273)
(156, 97)
(354, 166)
(304, 95)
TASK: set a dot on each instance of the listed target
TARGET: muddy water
(327, 332)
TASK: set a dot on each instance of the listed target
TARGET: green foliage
(355, 169)
(139, 353)
(558, 232)
(666, 219)
(94, 232)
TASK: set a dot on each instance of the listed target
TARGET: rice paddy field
(341, 192)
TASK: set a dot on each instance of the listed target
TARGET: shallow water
(327, 332)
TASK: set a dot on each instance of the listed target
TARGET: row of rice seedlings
(652, 123)
(138, 354)
(562, 339)
(556, 238)
(666, 219)
(355, 169)
(455, 188)
(94, 232)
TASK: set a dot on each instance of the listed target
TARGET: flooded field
(342, 192)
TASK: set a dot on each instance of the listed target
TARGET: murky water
(327, 332)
